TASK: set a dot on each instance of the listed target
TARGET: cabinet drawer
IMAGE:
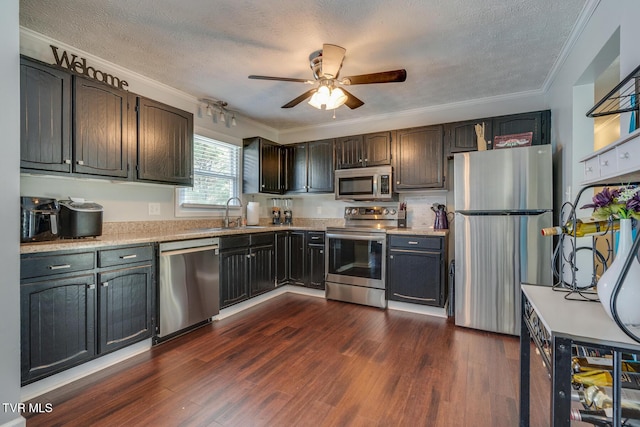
(230, 242)
(120, 256)
(316, 237)
(608, 163)
(628, 156)
(591, 169)
(44, 265)
(416, 242)
(262, 239)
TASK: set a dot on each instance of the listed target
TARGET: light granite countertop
(158, 234)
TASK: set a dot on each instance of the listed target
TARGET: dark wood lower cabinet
(261, 269)
(297, 258)
(234, 280)
(126, 302)
(73, 310)
(416, 270)
(58, 325)
(282, 257)
(316, 266)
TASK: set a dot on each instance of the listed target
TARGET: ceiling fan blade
(394, 76)
(352, 102)
(299, 99)
(282, 79)
(332, 57)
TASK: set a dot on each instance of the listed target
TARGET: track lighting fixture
(218, 111)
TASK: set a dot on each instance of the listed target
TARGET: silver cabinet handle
(248, 255)
(412, 242)
(604, 163)
(80, 162)
(67, 161)
(105, 284)
(91, 286)
(390, 256)
(624, 155)
(59, 267)
(413, 298)
(129, 256)
(589, 169)
(321, 251)
(315, 238)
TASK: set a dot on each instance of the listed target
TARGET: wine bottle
(583, 228)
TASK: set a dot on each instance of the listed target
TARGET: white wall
(9, 222)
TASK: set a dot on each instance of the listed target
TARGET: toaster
(79, 219)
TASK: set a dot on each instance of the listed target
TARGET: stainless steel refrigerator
(502, 199)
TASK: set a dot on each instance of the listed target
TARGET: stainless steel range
(356, 255)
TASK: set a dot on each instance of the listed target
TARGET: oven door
(356, 257)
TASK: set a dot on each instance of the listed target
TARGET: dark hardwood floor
(303, 361)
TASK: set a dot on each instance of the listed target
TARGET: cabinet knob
(80, 162)
(248, 255)
(398, 182)
(91, 286)
(263, 186)
(390, 256)
(105, 284)
(67, 161)
(321, 251)
(624, 155)
(604, 163)
(589, 169)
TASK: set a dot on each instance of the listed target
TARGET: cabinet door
(349, 152)
(377, 149)
(282, 257)
(57, 325)
(297, 167)
(234, 280)
(101, 120)
(536, 122)
(126, 303)
(321, 166)
(261, 269)
(419, 158)
(461, 136)
(165, 143)
(297, 255)
(316, 266)
(45, 117)
(271, 168)
(416, 277)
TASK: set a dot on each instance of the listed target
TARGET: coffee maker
(288, 214)
(38, 219)
(275, 212)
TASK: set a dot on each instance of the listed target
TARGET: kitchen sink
(214, 229)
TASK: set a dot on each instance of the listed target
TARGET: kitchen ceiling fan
(327, 94)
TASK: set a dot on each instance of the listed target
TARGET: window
(216, 168)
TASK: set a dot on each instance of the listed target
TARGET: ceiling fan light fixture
(223, 119)
(209, 112)
(336, 99)
(233, 120)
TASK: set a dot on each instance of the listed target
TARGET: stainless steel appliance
(79, 218)
(356, 255)
(372, 183)
(189, 290)
(502, 200)
(38, 219)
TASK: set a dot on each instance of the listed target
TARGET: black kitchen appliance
(38, 219)
(79, 218)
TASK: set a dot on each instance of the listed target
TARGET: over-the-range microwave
(372, 183)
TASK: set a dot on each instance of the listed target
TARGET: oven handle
(359, 236)
(189, 250)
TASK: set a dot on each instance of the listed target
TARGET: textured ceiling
(453, 50)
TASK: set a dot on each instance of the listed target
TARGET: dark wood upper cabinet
(377, 148)
(310, 167)
(101, 125)
(358, 151)
(263, 166)
(419, 158)
(165, 143)
(461, 137)
(538, 122)
(45, 117)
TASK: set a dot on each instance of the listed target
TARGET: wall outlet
(154, 209)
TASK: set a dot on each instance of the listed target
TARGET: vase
(628, 297)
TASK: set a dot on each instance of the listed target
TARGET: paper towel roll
(253, 213)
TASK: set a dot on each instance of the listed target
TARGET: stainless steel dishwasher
(189, 291)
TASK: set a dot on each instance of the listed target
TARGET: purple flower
(633, 204)
(603, 199)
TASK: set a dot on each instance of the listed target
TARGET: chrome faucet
(226, 212)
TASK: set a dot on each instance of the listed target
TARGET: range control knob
(386, 211)
(393, 211)
(354, 211)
